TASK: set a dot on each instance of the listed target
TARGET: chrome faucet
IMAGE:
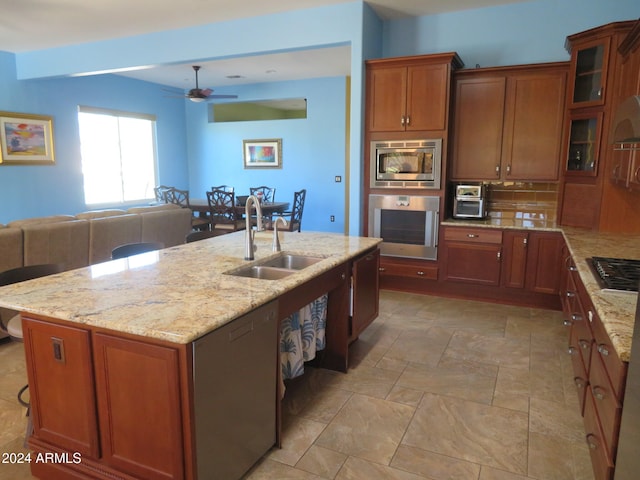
(275, 246)
(249, 233)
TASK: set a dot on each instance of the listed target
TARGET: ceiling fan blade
(222, 96)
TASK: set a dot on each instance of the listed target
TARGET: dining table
(201, 206)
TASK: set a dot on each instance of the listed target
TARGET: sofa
(88, 238)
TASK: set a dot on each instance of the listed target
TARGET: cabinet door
(139, 407)
(589, 65)
(477, 137)
(534, 117)
(61, 386)
(472, 263)
(514, 259)
(386, 98)
(365, 275)
(426, 97)
(544, 262)
(583, 148)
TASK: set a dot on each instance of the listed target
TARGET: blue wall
(313, 149)
(520, 33)
(30, 191)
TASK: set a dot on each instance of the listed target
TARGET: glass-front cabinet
(584, 144)
(589, 64)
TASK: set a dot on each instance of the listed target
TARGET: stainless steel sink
(262, 272)
(275, 268)
(291, 261)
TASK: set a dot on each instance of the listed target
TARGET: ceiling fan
(201, 94)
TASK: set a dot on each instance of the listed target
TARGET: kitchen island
(112, 354)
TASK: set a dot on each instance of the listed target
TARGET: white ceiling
(27, 25)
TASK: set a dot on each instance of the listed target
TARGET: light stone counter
(616, 310)
(177, 294)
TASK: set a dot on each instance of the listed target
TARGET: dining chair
(181, 198)
(160, 193)
(13, 326)
(293, 216)
(268, 193)
(222, 211)
(226, 188)
(128, 249)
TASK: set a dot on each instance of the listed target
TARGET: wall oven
(406, 163)
(408, 225)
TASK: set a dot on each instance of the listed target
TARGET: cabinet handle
(571, 294)
(571, 350)
(599, 393)
(497, 170)
(525, 241)
(602, 348)
(573, 268)
(567, 323)
(381, 269)
(509, 169)
(575, 317)
(600, 92)
(584, 344)
(408, 120)
(592, 441)
(472, 235)
(402, 121)
(579, 382)
(420, 272)
(368, 258)
(498, 255)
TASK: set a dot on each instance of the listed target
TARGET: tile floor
(438, 389)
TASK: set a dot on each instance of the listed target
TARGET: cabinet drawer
(608, 407)
(475, 235)
(615, 368)
(602, 464)
(408, 270)
(580, 376)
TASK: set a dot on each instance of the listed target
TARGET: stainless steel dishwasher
(234, 377)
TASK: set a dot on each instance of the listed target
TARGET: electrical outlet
(338, 178)
(332, 218)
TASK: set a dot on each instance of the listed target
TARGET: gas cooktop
(616, 273)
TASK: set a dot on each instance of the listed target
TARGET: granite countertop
(180, 293)
(616, 310)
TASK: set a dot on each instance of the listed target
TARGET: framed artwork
(263, 153)
(26, 139)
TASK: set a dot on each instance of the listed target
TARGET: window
(118, 156)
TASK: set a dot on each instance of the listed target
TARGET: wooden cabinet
(409, 94)
(594, 80)
(510, 258)
(140, 420)
(365, 291)
(599, 374)
(60, 371)
(473, 255)
(589, 68)
(585, 133)
(114, 400)
(544, 260)
(507, 123)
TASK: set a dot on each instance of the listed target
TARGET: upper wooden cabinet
(508, 123)
(599, 76)
(409, 93)
(589, 66)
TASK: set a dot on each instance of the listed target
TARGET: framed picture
(263, 153)
(26, 139)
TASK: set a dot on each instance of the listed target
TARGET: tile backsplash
(523, 199)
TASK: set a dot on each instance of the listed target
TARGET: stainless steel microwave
(406, 163)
